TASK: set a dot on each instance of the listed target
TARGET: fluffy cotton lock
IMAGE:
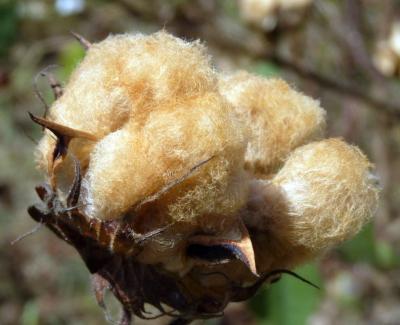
(137, 161)
(322, 196)
(153, 104)
(331, 192)
(278, 118)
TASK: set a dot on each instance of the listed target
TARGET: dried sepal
(64, 135)
(217, 249)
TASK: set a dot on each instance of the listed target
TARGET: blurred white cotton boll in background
(267, 14)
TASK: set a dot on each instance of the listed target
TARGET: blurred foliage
(8, 25)
(43, 281)
(289, 301)
(69, 57)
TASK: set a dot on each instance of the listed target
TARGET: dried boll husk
(322, 196)
(277, 117)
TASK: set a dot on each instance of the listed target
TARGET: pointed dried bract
(83, 41)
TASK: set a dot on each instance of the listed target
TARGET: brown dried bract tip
(186, 189)
(84, 42)
(64, 135)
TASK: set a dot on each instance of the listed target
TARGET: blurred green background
(345, 53)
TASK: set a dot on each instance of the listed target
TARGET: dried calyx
(186, 188)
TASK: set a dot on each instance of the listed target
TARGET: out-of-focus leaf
(257, 304)
(8, 24)
(361, 248)
(30, 314)
(290, 301)
(365, 248)
(70, 56)
(266, 69)
(386, 256)
(73, 277)
(230, 8)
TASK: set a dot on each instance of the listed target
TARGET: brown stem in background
(354, 40)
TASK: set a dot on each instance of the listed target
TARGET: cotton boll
(190, 179)
(44, 152)
(394, 39)
(278, 118)
(138, 160)
(267, 14)
(125, 77)
(386, 56)
(261, 13)
(385, 59)
(322, 196)
(124, 74)
(330, 192)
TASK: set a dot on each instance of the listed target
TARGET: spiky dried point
(187, 189)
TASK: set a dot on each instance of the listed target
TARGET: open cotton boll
(123, 74)
(278, 118)
(267, 13)
(322, 196)
(137, 161)
(330, 192)
(260, 12)
(162, 170)
(125, 77)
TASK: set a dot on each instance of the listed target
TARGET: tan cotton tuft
(126, 76)
(135, 162)
(330, 193)
(278, 117)
(153, 103)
